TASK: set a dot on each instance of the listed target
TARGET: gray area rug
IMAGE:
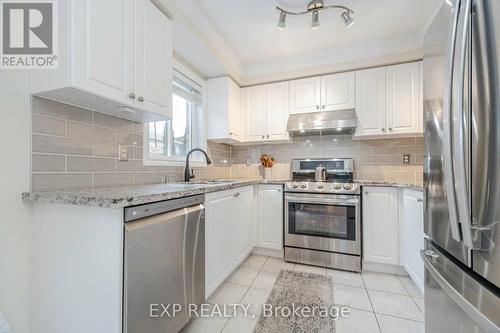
(299, 290)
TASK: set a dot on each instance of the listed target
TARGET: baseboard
(268, 252)
(383, 268)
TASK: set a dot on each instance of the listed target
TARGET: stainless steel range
(322, 214)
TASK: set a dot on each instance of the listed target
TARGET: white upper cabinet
(305, 95)
(338, 92)
(267, 110)
(256, 103)
(380, 225)
(278, 109)
(153, 58)
(370, 101)
(112, 54)
(225, 110)
(404, 99)
(389, 101)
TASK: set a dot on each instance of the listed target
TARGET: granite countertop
(123, 196)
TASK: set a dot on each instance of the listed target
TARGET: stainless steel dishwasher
(164, 262)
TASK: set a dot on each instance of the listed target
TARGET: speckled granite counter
(123, 196)
(390, 184)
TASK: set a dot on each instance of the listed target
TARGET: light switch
(123, 153)
(406, 158)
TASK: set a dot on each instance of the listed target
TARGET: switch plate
(123, 153)
(406, 158)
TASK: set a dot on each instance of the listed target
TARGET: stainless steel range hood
(329, 122)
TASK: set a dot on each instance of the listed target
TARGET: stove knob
(295, 185)
(303, 185)
(320, 186)
(338, 186)
(347, 186)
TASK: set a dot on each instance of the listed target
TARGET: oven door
(324, 222)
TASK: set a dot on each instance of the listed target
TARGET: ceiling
(245, 37)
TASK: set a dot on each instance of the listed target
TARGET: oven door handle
(322, 201)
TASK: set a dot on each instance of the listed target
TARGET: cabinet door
(242, 223)
(404, 99)
(256, 113)
(338, 91)
(412, 235)
(153, 59)
(270, 217)
(380, 225)
(236, 114)
(278, 109)
(103, 48)
(305, 95)
(370, 102)
(219, 255)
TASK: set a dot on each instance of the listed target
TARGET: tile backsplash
(76, 148)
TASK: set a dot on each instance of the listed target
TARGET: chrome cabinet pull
(420, 200)
(390, 129)
(317, 107)
(131, 95)
(323, 107)
(237, 194)
(141, 99)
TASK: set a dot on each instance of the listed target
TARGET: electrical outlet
(123, 153)
(406, 158)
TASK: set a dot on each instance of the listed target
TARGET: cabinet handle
(131, 95)
(263, 137)
(383, 129)
(230, 133)
(366, 192)
(141, 99)
(420, 200)
(323, 107)
(237, 194)
(390, 129)
(268, 136)
(317, 107)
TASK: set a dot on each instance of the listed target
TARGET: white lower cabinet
(270, 217)
(228, 225)
(412, 234)
(380, 225)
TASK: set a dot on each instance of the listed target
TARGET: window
(169, 141)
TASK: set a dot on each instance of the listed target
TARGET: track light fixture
(313, 8)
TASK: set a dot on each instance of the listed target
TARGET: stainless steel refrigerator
(462, 168)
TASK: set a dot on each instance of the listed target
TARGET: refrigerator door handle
(431, 260)
(447, 142)
(459, 113)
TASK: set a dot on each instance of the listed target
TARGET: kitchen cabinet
(226, 111)
(115, 57)
(338, 91)
(267, 110)
(412, 235)
(228, 238)
(270, 217)
(323, 93)
(305, 95)
(389, 101)
(380, 225)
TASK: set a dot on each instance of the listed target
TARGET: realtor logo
(29, 34)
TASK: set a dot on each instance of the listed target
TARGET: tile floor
(381, 303)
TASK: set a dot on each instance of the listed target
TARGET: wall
(77, 148)
(376, 160)
(16, 221)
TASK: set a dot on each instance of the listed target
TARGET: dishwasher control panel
(160, 207)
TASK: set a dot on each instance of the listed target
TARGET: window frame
(190, 77)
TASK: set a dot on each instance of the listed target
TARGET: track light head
(315, 20)
(282, 21)
(348, 20)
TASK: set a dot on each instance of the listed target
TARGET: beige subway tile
(130, 165)
(401, 177)
(373, 176)
(372, 143)
(83, 131)
(144, 178)
(104, 120)
(105, 149)
(419, 178)
(138, 128)
(113, 179)
(124, 138)
(137, 152)
(60, 110)
(401, 142)
(373, 159)
(48, 163)
(45, 125)
(90, 164)
(417, 150)
(385, 150)
(419, 141)
(57, 181)
(52, 144)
